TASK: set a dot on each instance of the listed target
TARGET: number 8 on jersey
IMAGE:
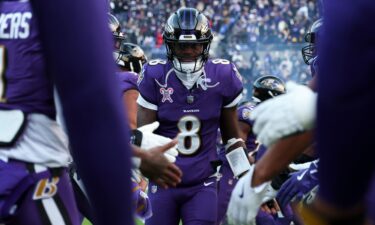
(188, 138)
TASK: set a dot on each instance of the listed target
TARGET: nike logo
(301, 176)
(207, 184)
(242, 192)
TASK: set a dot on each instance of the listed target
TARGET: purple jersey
(193, 114)
(243, 113)
(346, 148)
(83, 83)
(128, 80)
(24, 83)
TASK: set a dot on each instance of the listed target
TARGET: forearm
(229, 124)
(130, 104)
(279, 156)
(145, 116)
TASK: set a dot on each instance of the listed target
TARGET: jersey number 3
(188, 138)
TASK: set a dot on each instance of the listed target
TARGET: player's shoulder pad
(244, 111)
(127, 75)
(157, 67)
(224, 68)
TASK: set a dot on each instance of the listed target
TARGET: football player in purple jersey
(33, 153)
(130, 59)
(346, 165)
(191, 96)
(283, 122)
(265, 87)
(346, 93)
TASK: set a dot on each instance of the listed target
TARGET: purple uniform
(141, 202)
(128, 80)
(42, 195)
(24, 83)
(79, 76)
(243, 113)
(41, 145)
(346, 162)
(195, 115)
(227, 180)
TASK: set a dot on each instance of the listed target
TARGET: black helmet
(266, 87)
(309, 52)
(130, 56)
(115, 28)
(187, 27)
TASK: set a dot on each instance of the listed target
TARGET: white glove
(245, 200)
(151, 140)
(285, 114)
(269, 194)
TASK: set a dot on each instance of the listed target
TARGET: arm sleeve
(147, 89)
(82, 72)
(243, 114)
(232, 93)
(128, 81)
(345, 115)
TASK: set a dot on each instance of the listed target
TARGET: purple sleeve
(233, 88)
(77, 46)
(146, 84)
(128, 81)
(345, 118)
(243, 114)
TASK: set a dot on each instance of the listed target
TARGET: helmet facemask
(187, 37)
(187, 57)
(130, 57)
(309, 51)
(115, 28)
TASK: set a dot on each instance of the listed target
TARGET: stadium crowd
(250, 21)
(260, 36)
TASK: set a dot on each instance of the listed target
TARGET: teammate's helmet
(115, 28)
(266, 87)
(130, 57)
(187, 28)
(309, 52)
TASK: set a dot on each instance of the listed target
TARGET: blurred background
(262, 37)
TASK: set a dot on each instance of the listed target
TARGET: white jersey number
(188, 138)
(2, 73)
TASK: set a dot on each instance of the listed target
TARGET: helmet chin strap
(186, 74)
(188, 79)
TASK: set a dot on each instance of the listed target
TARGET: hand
(150, 140)
(270, 207)
(285, 114)
(299, 184)
(245, 200)
(156, 167)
